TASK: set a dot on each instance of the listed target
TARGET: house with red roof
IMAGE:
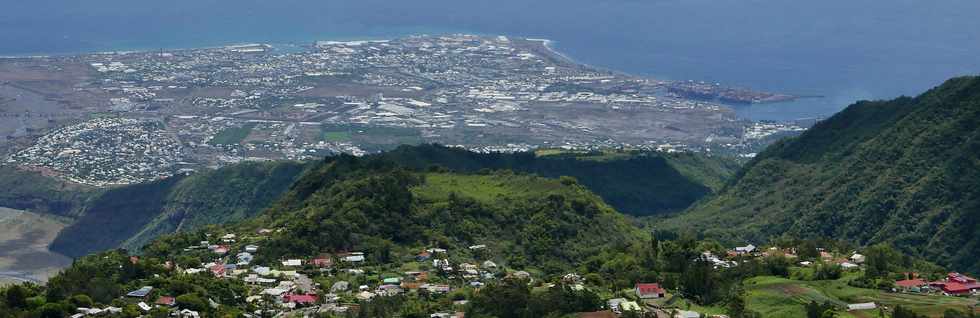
(168, 301)
(645, 291)
(218, 270)
(300, 299)
(910, 284)
(960, 278)
(322, 262)
(957, 284)
(954, 288)
(221, 249)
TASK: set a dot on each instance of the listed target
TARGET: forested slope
(131, 216)
(905, 171)
(30, 190)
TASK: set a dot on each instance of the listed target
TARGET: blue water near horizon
(845, 50)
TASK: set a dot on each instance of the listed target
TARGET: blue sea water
(845, 50)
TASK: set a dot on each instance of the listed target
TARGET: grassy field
(388, 136)
(543, 152)
(371, 137)
(232, 135)
(24, 239)
(605, 155)
(712, 171)
(485, 188)
(335, 136)
(781, 297)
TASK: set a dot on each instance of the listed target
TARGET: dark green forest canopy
(31, 190)
(133, 215)
(904, 172)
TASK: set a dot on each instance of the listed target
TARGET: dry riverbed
(24, 239)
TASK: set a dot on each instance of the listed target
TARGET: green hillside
(905, 171)
(637, 183)
(133, 215)
(388, 212)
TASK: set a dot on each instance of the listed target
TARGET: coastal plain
(128, 117)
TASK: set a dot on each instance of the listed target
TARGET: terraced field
(781, 297)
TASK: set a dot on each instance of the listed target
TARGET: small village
(339, 284)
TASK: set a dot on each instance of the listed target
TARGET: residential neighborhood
(341, 283)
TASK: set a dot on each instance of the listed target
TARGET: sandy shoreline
(549, 45)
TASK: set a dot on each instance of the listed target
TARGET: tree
(736, 301)
(817, 310)
(511, 298)
(414, 309)
(632, 314)
(131, 311)
(52, 310)
(81, 300)
(192, 302)
(827, 272)
(562, 300)
(953, 313)
(699, 282)
(777, 265)
(807, 250)
(711, 245)
(16, 296)
(879, 259)
(159, 312)
(901, 312)
(504, 299)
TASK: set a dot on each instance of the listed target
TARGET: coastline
(280, 41)
(550, 46)
(274, 44)
(139, 50)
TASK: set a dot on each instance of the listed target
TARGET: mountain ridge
(900, 172)
(136, 214)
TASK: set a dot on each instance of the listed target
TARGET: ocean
(843, 50)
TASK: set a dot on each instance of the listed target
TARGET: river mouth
(24, 240)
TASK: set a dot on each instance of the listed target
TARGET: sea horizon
(553, 46)
(823, 49)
